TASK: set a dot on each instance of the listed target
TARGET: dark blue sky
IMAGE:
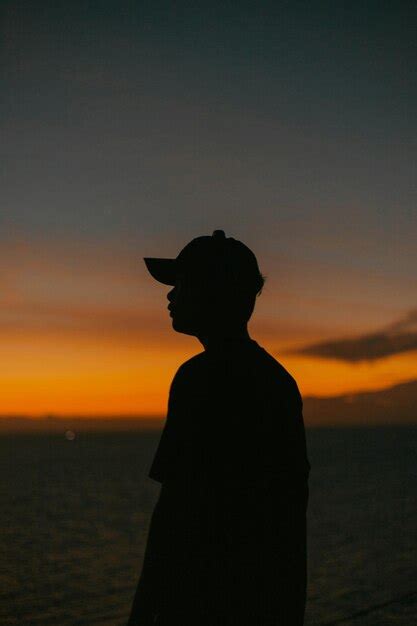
(115, 113)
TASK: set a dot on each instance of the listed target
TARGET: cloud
(398, 337)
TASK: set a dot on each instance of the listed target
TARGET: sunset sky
(129, 128)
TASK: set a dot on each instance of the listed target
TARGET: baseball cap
(210, 257)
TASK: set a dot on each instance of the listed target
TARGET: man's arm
(144, 604)
(147, 599)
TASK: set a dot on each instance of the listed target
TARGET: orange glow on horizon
(85, 332)
(77, 376)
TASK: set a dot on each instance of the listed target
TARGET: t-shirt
(227, 539)
(232, 409)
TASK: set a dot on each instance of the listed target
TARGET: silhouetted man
(227, 539)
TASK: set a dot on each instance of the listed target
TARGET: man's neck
(224, 337)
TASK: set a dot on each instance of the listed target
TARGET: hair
(261, 284)
(241, 298)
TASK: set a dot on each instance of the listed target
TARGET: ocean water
(74, 518)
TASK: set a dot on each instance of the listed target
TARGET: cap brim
(163, 270)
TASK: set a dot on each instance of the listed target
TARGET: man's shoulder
(189, 370)
(277, 372)
(258, 365)
(192, 365)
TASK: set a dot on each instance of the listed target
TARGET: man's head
(216, 281)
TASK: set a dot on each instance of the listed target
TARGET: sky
(130, 128)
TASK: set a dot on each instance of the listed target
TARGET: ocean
(75, 515)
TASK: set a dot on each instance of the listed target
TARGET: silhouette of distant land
(60, 423)
(394, 405)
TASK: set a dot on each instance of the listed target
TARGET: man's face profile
(201, 305)
(191, 306)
